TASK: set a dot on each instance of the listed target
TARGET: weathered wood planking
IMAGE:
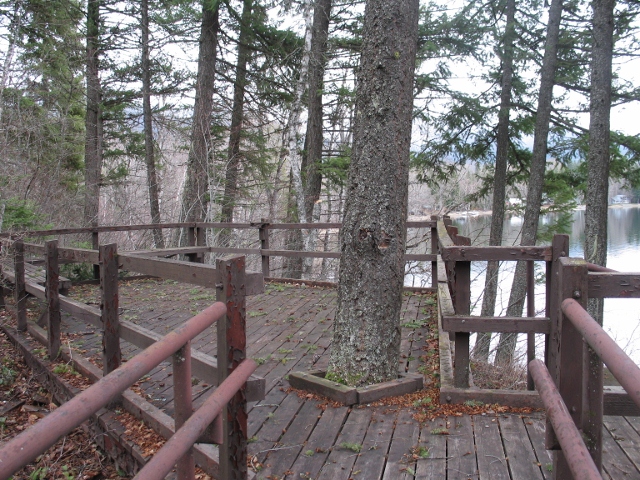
(476, 254)
(187, 272)
(615, 462)
(614, 285)
(467, 323)
(492, 463)
(341, 459)
(298, 426)
(523, 462)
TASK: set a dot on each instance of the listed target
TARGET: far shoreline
(479, 213)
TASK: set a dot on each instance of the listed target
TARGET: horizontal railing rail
(222, 225)
(196, 241)
(204, 366)
(621, 366)
(456, 255)
(576, 453)
(181, 442)
(35, 440)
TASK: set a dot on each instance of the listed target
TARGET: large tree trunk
(366, 338)
(237, 115)
(149, 144)
(481, 349)
(93, 119)
(507, 344)
(595, 230)
(195, 196)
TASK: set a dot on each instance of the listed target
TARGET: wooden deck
(289, 328)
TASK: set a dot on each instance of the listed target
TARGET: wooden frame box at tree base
(314, 381)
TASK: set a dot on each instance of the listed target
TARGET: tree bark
(195, 196)
(234, 157)
(481, 349)
(93, 119)
(366, 337)
(149, 145)
(507, 344)
(598, 159)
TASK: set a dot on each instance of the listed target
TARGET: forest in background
(116, 112)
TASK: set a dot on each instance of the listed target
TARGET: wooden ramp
(289, 328)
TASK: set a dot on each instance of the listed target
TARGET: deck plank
(536, 429)
(292, 443)
(274, 426)
(492, 464)
(322, 439)
(625, 436)
(523, 463)
(340, 461)
(615, 463)
(371, 461)
(405, 437)
(461, 452)
(434, 465)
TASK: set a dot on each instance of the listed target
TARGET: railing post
(186, 466)
(111, 356)
(20, 292)
(434, 251)
(559, 249)
(569, 350)
(195, 238)
(462, 304)
(2, 289)
(231, 351)
(531, 312)
(53, 299)
(263, 234)
(95, 245)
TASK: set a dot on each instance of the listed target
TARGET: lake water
(621, 316)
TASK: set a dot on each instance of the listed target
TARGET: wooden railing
(570, 380)
(228, 277)
(196, 240)
(229, 432)
(578, 347)
(454, 294)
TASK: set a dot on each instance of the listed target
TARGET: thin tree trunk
(234, 156)
(481, 349)
(366, 339)
(93, 119)
(292, 266)
(149, 144)
(299, 214)
(313, 140)
(195, 196)
(14, 29)
(507, 344)
(598, 160)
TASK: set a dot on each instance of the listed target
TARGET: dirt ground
(23, 401)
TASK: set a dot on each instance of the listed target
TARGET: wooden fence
(206, 368)
(196, 238)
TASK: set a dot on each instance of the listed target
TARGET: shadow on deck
(289, 328)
